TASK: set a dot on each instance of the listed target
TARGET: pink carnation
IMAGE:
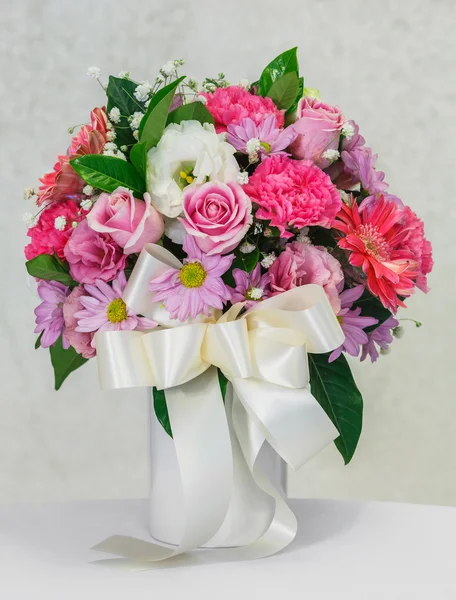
(46, 239)
(232, 104)
(293, 193)
(301, 264)
(419, 246)
(93, 255)
(80, 341)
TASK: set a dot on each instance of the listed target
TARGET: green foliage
(284, 90)
(246, 262)
(195, 111)
(38, 341)
(108, 173)
(154, 121)
(287, 62)
(223, 382)
(372, 307)
(138, 158)
(49, 268)
(298, 97)
(333, 386)
(120, 92)
(161, 410)
(64, 362)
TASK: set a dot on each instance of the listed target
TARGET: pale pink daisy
(251, 287)
(104, 309)
(49, 314)
(271, 139)
(196, 287)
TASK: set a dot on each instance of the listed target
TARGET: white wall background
(390, 65)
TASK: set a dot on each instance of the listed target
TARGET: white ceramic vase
(250, 512)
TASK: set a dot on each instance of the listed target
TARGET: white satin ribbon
(263, 353)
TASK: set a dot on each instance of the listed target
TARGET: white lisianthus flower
(187, 154)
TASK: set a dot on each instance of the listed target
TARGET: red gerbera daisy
(376, 242)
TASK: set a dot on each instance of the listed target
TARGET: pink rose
(130, 222)
(93, 255)
(301, 264)
(318, 126)
(218, 215)
(81, 342)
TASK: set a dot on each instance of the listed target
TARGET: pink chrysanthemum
(46, 239)
(382, 337)
(377, 242)
(293, 193)
(196, 287)
(49, 314)
(250, 287)
(272, 139)
(234, 103)
(419, 246)
(104, 309)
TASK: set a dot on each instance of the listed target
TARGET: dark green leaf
(49, 268)
(138, 157)
(38, 341)
(223, 382)
(333, 386)
(294, 106)
(284, 90)
(64, 362)
(120, 93)
(246, 262)
(154, 121)
(195, 111)
(161, 410)
(372, 307)
(108, 173)
(287, 62)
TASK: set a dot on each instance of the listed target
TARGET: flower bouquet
(224, 246)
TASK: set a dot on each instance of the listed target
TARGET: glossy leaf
(38, 341)
(154, 121)
(195, 111)
(372, 307)
(64, 362)
(120, 92)
(284, 90)
(138, 157)
(161, 410)
(287, 62)
(223, 382)
(49, 268)
(108, 173)
(333, 386)
(294, 106)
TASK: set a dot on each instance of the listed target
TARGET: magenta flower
(268, 137)
(49, 314)
(252, 287)
(196, 286)
(381, 336)
(104, 309)
(352, 323)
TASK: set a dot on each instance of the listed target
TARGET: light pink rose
(218, 215)
(93, 255)
(130, 222)
(81, 342)
(301, 264)
(318, 126)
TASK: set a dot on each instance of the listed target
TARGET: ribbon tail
(200, 428)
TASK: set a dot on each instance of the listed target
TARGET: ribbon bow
(263, 353)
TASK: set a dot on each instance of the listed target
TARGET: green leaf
(154, 121)
(108, 173)
(195, 111)
(161, 410)
(120, 93)
(294, 106)
(49, 268)
(38, 341)
(64, 362)
(333, 386)
(287, 62)
(223, 382)
(246, 262)
(284, 90)
(372, 307)
(138, 157)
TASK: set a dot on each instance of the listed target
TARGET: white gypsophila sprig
(87, 204)
(242, 178)
(168, 68)
(348, 130)
(247, 248)
(201, 99)
(255, 293)
(74, 224)
(114, 114)
(252, 147)
(331, 155)
(344, 197)
(135, 120)
(244, 83)
(110, 146)
(111, 135)
(29, 192)
(94, 72)
(29, 219)
(142, 91)
(303, 236)
(268, 260)
(60, 223)
(124, 74)
(88, 190)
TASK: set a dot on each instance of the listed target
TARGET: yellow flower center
(192, 275)
(340, 320)
(117, 311)
(266, 146)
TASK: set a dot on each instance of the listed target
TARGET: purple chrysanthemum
(49, 314)
(249, 286)
(196, 287)
(381, 336)
(352, 323)
(268, 137)
(104, 309)
(360, 163)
